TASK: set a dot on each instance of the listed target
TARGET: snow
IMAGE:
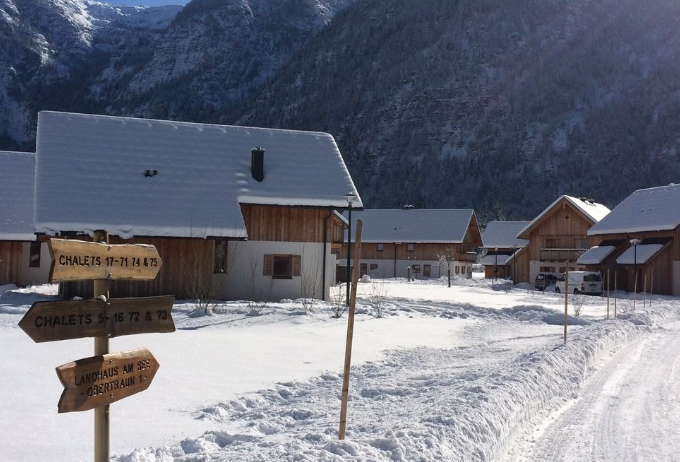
(653, 209)
(591, 209)
(203, 175)
(413, 226)
(446, 374)
(494, 259)
(595, 255)
(503, 234)
(641, 256)
(17, 170)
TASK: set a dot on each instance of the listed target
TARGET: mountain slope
(53, 52)
(496, 105)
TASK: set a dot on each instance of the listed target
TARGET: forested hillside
(500, 106)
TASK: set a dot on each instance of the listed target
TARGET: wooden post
(644, 293)
(608, 287)
(651, 289)
(635, 290)
(615, 295)
(350, 333)
(101, 347)
(566, 299)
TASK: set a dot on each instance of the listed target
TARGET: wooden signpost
(100, 380)
(74, 260)
(70, 319)
(96, 382)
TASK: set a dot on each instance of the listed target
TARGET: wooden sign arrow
(100, 380)
(69, 319)
(74, 260)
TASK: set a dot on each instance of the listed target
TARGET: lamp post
(495, 267)
(635, 243)
(350, 196)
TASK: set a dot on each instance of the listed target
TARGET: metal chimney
(257, 163)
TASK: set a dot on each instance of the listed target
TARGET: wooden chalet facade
(419, 243)
(500, 244)
(640, 237)
(228, 220)
(557, 237)
(23, 260)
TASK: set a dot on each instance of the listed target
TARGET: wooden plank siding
(187, 263)
(560, 228)
(661, 265)
(290, 224)
(423, 252)
(10, 262)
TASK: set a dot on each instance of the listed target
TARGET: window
(374, 266)
(410, 247)
(551, 243)
(381, 247)
(220, 247)
(282, 266)
(416, 268)
(580, 243)
(34, 259)
(547, 269)
(457, 269)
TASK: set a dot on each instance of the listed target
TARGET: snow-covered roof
(141, 177)
(595, 255)
(653, 209)
(490, 260)
(17, 170)
(503, 234)
(591, 209)
(643, 254)
(413, 226)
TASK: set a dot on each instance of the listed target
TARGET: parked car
(543, 280)
(581, 282)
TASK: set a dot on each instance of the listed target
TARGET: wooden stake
(350, 332)
(608, 287)
(566, 299)
(651, 289)
(644, 293)
(635, 291)
(101, 347)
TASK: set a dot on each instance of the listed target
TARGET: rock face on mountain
(500, 106)
(63, 54)
(199, 63)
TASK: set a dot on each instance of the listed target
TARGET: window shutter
(297, 264)
(268, 269)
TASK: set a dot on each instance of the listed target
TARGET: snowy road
(629, 411)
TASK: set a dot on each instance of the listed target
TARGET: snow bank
(465, 403)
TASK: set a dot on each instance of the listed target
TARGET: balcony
(466, 257)
(560, 254)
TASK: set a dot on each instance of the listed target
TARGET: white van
(581, 282)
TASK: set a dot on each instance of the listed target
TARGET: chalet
(638, 243)
(394, 240)
(557, 237)
(235, 212)
(500, 244)
(23, 260)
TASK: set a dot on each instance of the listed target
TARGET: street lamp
(495, 268)
(350, 196)
(635, 243)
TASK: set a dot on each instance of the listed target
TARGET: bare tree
(448, 256)
(309, 280)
